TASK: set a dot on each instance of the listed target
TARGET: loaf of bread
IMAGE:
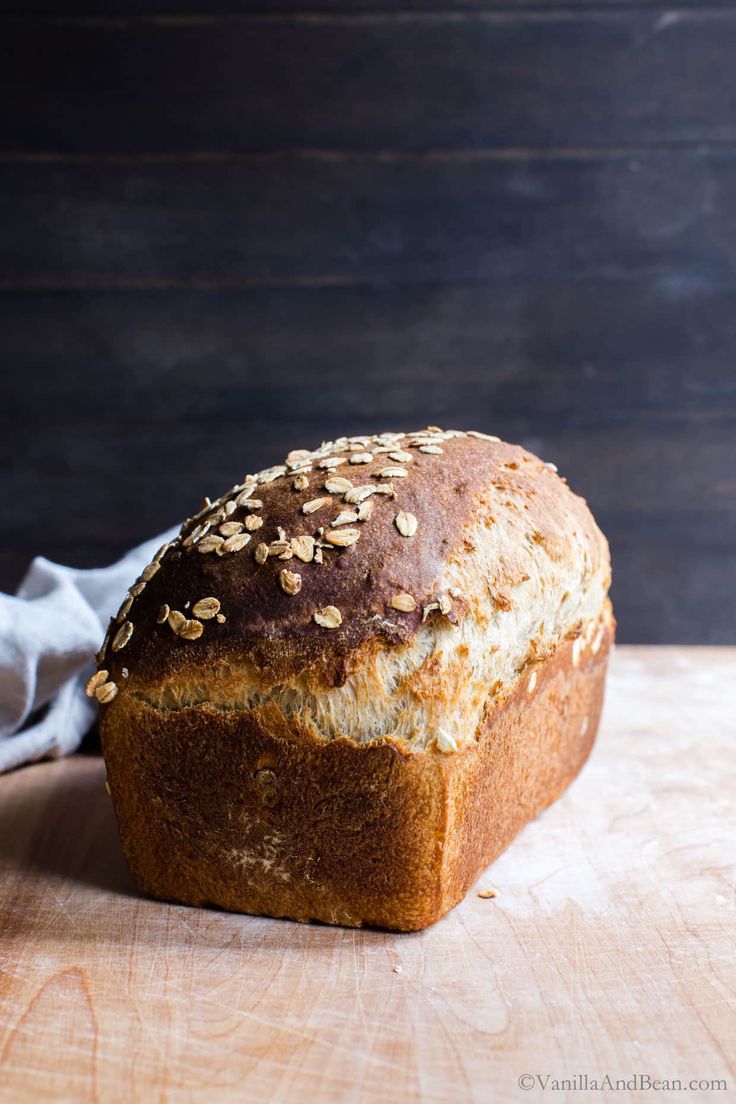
(349, 682)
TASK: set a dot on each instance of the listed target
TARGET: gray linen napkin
(50, 631)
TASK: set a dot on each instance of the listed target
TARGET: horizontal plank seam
(245, 284)
(502, 153)
(153, 284)
(499, 13)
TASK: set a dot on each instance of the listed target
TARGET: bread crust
(345, 718)
(250, 812)
(471, 479)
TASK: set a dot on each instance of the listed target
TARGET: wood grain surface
(500, 218)
(609, 948)
(369, 80)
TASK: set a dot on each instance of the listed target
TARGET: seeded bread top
(300, 566)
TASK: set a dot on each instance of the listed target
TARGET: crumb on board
(486, 894)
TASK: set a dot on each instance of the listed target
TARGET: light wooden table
(609, 948)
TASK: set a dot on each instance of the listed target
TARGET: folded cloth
(49, 633)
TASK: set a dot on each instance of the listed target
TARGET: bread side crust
(253, 813)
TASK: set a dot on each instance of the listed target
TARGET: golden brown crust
(282, 624)
(353, 678)
(251, 813)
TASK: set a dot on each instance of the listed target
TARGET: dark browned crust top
(276, 631)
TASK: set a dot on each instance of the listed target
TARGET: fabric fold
(50, 631)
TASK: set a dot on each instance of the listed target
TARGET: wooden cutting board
(608, 950)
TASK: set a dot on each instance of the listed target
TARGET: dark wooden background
(232, 233)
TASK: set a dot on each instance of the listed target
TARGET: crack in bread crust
(435, 690)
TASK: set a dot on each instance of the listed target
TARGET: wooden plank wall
(229, 229)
